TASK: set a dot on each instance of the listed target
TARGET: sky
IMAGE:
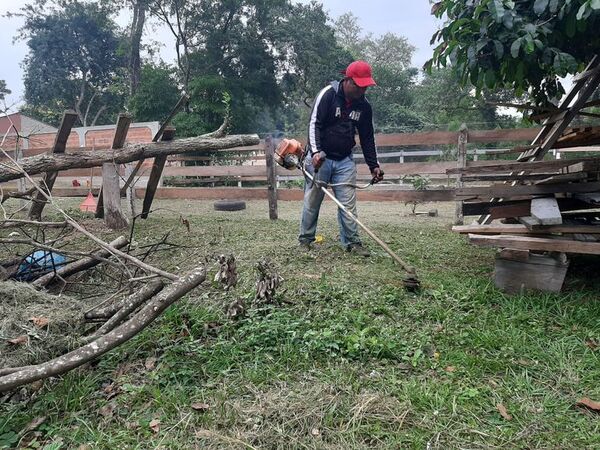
(409, 18)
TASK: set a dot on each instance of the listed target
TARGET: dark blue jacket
(333, 125)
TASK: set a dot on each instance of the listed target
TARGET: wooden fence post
(461, 163)
(47, 183)
(168, 134)
(271, 176)
(111, 191)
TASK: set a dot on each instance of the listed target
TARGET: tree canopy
(262, 61)
(524, 45)
(74, 62)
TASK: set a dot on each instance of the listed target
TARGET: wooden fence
(397, 155)
(400, 155)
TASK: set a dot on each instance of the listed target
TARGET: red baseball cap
(360, 72)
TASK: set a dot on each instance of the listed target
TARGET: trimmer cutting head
(411, 283)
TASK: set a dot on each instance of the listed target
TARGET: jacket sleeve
(366, 134)
(318, 117)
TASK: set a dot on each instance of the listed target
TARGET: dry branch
(80, 265)
(109, 341)
(79, 160)
(82, 230)
(129, 305)
(26, 195)
(10, 223)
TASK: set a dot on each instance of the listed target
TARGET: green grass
(347, 360)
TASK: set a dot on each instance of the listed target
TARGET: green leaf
(540, 6)
(496, 9)
(499, 49)
(515, 47)
(583, 12)
(529, 45)
(553, 6)
(490, 78)
(508, 20)
(595, 4)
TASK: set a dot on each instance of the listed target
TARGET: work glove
(377, 175)
(318, 159)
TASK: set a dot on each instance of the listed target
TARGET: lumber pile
(540, 206)
(537, 208)
(548, 205)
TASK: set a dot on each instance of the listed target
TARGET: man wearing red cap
(339, 112)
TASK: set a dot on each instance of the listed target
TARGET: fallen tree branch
(103, 344)
(80, 265)
(129, 305)
(10, 223)
(82, 230)
(132, 152)
(16, 194)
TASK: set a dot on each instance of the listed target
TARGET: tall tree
(74, 61)
(521, 45)
(445, 103)
(139, 9)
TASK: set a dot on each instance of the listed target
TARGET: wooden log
(113, 216)
(507, 177)
(121, 130)
(271, 177)
(47, 183)
(461, 163)
(127, 306)
(131, 152)
(156, 173)
(505, 228)
(537, 244)
(500, 228)
(79, 265)
(518, 208)
(563, 178)
(109, 200)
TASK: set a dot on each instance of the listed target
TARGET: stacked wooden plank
(538, 204)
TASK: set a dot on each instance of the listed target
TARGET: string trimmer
(290, 154)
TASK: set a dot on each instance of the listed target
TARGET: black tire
(229, 205)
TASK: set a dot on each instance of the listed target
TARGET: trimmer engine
(289, 154)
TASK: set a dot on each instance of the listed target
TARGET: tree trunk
(132, 152)
(137, 28)
(118, 336)
(111, 194)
